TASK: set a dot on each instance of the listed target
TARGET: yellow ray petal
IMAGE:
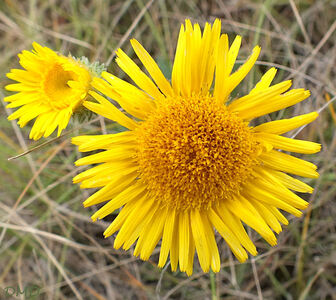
(258, 224)
(285, 125)
(33, 63)
(184, 231)
(167, 238)
(121, 218)
(228, 236)
(37, 129)
(134, 192)
(199, 234)
(233, 53)
(104, 169)
(22, 87)
(131, 239)
(104, 179)
(118, 153)
(140, 229)
(252, 100)
(253, 191)
(196, 55)
(288, 144)
(236, 227)
(129, 93)
(277, 214)
(26, 109)
(62, 119)
(43, 50)
(214, 254)
(289, 164)
(108, 110)
(139, 215)
(18, 96)
(204, 51)
(152, 233)
(250, 207)
(178, 66)
(274, 186)
(109, 191)
(106, 141)
(241, 73)
(264, 82)
(23, 76)
(131, 105)
(291, 183)
(91, 172)
(152, 68)
(174, 247)
(187, 70)
(267, 215)
(191, 255)
(266, 106)
(222, 74)
(139, 77)
(50, 125)
(208, 58)
(27, 116)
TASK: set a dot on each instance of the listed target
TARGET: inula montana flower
(191, 163)
(50, 89)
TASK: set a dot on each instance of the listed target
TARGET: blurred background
(48, 245)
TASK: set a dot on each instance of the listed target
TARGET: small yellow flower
(190, 162)
(50, 89)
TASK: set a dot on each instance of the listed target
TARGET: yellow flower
(50, 89)
(190, 163)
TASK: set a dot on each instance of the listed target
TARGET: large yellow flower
(50, 89)
(190, 163)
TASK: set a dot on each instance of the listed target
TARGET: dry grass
(47, 237)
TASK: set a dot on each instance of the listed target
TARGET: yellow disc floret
(193, 152)
(56, 86)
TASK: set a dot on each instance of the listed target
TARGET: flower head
(50, 89)
(190, 162)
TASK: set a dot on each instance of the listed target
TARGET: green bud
(96, 68)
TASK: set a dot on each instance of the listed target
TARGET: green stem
(213, 285)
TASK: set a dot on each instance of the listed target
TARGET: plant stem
(213, 285)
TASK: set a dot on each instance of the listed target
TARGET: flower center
(56, 86)
(193, 152)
